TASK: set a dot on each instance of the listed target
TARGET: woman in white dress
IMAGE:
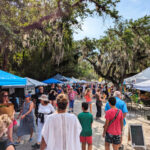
(61, 130)
(44, 110)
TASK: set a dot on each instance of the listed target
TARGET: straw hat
(44, 97)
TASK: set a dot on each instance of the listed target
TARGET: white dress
(62, 132)
(45, 110)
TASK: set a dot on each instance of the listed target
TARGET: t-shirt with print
(86, 120)
(115, 127)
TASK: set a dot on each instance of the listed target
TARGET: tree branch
(109, 69)
(98, 71)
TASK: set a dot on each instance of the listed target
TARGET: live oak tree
(31, 29)
(122, 52)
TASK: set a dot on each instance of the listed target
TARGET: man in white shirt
(61, 131)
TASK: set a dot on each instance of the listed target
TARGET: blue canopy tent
(51, 81)
(10, 79)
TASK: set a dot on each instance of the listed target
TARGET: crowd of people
(57, 127)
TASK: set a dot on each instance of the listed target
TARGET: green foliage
(122, 52)
(36, 36)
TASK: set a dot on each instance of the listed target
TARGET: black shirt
(37, 101)
(52, 94)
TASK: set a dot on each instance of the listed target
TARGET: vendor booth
(140, 77)
(143, 86)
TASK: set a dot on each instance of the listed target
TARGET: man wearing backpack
(113, 126)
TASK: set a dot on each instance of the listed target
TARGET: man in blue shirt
(120, 104)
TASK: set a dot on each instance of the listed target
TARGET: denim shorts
(114, 139)
(71, 103)
(89, 102)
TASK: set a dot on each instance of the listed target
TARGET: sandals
(17, 143)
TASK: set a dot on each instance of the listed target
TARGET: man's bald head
(117, 94)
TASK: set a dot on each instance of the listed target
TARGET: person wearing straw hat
(44, 110)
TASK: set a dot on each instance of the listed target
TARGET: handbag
(7, 109)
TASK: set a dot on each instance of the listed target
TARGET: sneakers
(36, 146)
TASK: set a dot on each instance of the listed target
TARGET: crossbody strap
(114, 118)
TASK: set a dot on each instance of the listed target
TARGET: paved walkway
(98, 140)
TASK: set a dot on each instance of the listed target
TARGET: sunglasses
(5, 95)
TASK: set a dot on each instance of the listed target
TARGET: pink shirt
(115, 127)
(72, 95)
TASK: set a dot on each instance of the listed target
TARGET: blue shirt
(120, 104)
(59, 91)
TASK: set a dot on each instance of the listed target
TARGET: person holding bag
(6, 107)
(113, 126)
(45, 109)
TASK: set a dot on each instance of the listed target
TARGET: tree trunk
(5, 59)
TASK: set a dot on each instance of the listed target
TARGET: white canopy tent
(28, 88)
(144, 86)
(35, 82)
(140, 77)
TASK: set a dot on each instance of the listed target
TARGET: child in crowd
(59, 90)
(71, 96)
(88, 97)
(86, 120)
(113, 126)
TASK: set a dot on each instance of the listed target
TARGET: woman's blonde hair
(5, 121)
(88, 90)
(62, 101)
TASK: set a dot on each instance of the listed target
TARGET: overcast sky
(94, 27)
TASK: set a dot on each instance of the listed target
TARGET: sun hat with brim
(44, 97)
(27, 95)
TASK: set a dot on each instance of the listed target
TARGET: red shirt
(88, 97)
(115, 127)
